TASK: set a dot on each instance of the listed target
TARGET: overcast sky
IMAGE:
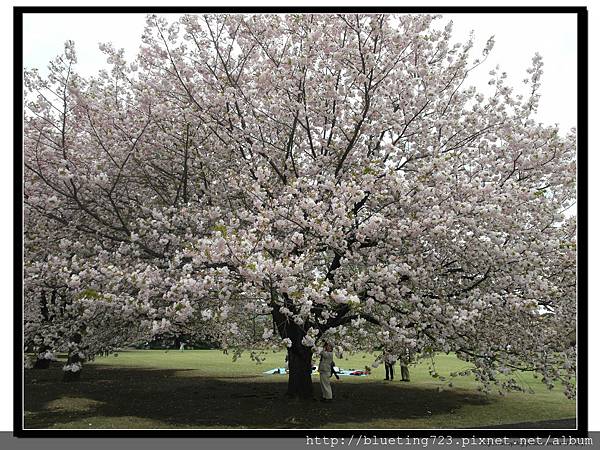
(517, 36)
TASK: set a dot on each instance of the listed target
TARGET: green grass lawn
(206, 389)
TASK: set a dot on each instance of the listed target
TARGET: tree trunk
(41, 363)
(300, 380)
(73, 358)
(299, 356)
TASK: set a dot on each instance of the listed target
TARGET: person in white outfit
(325, 371)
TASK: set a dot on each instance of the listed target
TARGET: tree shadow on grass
(166, 399)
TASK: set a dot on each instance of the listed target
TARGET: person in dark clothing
(389, 371)
(389, 362)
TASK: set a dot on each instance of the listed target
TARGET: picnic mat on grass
(340, 372)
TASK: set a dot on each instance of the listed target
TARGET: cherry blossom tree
(278, 181)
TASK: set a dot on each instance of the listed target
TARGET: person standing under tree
(325, 371)
(389, 362)
(404, 366)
